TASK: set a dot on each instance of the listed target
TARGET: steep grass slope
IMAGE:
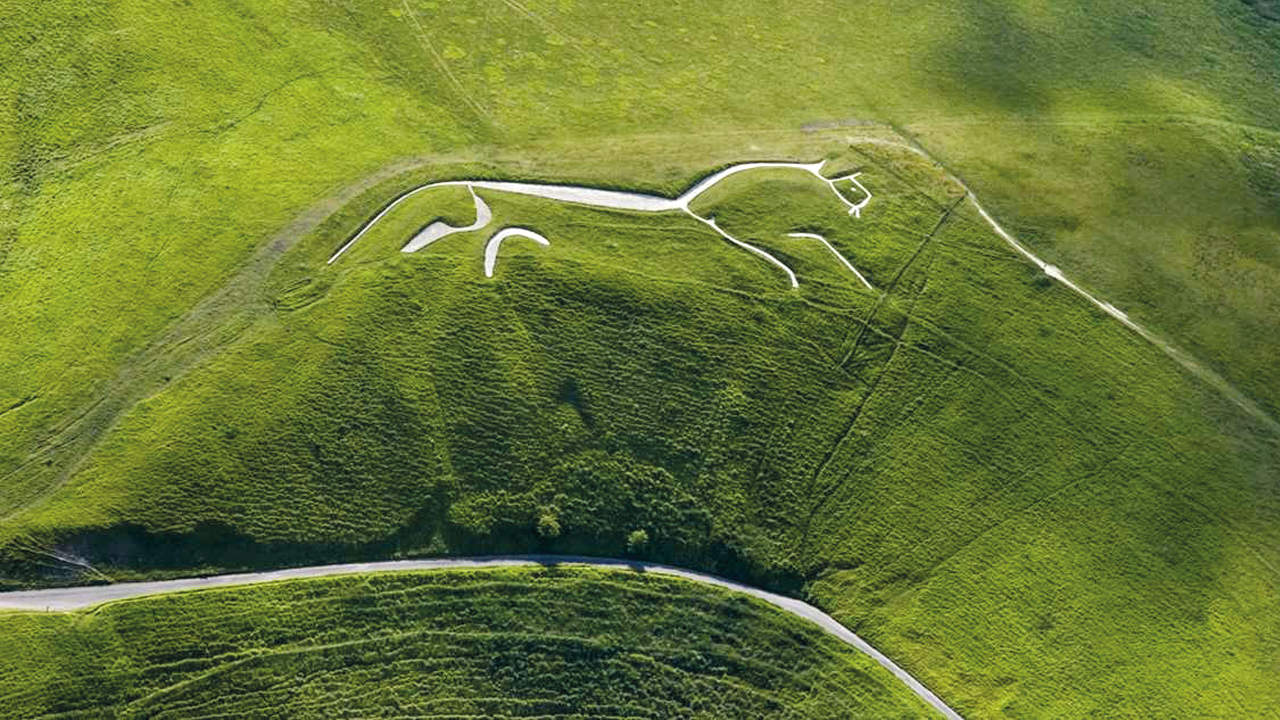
(971, 465)
(149, 150)
(502, 644)
(1027, 505)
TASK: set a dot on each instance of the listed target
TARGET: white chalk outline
(615, 200)
(841, 258)
(491, 248)
(75, 598)
(440, 228)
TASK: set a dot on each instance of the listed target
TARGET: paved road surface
(74, 598)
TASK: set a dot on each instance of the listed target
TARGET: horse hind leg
(438, 229)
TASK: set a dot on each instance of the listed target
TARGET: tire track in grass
(893, 283)
(443, 66)
(549, 27)
(827, 492)
(862, 330)
(1179, 356)
(1082, 479)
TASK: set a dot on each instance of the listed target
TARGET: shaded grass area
(147, 151)
(552, 642)
(919, 460)
(223, 315)
(1030, 508)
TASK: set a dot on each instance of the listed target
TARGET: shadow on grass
(132, 552)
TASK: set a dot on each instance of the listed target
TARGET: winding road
(76, 598)
(66, 599)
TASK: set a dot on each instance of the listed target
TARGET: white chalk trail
(76, 598)
(495, 242)
(1188, 363)
(841, 258)
(614, 200)
(814, 169)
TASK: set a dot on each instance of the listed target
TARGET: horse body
(613, 200)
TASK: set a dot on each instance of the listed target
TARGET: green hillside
(1030, 507)
(553, 643)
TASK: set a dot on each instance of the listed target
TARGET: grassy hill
(969, 440)
(505, 644)
(1030, 507)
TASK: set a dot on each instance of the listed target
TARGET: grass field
(496, 643)
(1033, 510)
(150, 151)
(900, 455)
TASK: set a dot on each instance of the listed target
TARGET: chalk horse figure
(616, 200)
